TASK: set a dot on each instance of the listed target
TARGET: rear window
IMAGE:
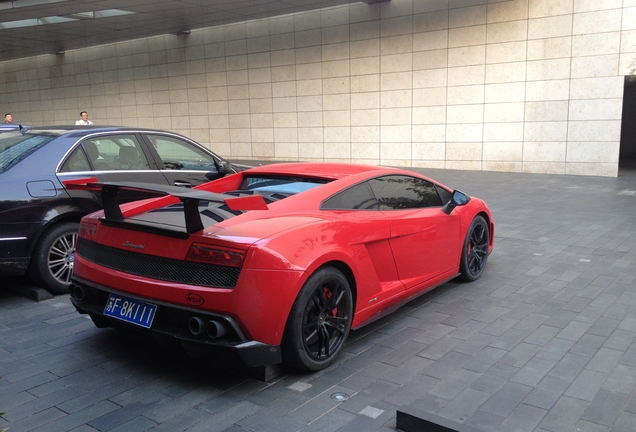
(281, 184)
(14, 147)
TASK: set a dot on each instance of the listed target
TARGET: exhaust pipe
(216, 329)
(77, 292)
(196, 326)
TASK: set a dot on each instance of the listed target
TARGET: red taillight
(87, 231)
(211, 255)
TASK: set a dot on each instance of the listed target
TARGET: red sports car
(277, 263)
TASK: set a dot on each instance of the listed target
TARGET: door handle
(182, 184)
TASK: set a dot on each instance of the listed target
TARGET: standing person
(8, 118)
(84, 119)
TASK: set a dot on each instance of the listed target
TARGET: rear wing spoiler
(189, 197)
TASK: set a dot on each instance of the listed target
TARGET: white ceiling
(150, 18)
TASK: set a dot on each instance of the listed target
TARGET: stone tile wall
(515, 85)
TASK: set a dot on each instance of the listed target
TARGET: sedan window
(117, 152)
(177, 154)
(107, 153)
(76, 162)
(14, 147)
(404, 192)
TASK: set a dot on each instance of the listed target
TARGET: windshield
(14, 147)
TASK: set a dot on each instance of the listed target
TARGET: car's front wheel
(319, 322)
(53, 258)
(475, 250)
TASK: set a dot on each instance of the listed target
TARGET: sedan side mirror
(458, 199)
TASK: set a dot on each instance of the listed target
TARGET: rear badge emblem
(132, 245)
(194, 299)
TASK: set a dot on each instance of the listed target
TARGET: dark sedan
(39, 216)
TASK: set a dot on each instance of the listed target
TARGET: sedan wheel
(475, 251)
(53, 258)
(319, 322)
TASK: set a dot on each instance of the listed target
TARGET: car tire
(52, 260)
(475, 250)
(319, 322)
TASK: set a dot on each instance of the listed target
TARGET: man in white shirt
(84, 119)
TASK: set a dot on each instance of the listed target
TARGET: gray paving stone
(564, 414)
(138, 424)
(603, 327)
(547, 392)
(570, 367)
(605, 408)
(337, 419)
(182, 422)
(494, 378)
(506, 399)
(474, 344)
(226, 418)
(520, 354)
(586, 385)
(411, 391)
(455, 383)
(484, 420)
(368, 396)
(464, 405)
(318, 406)
(523, 418)
(78, 418)
(533, 371)
(407, 370)
(622, 379)
(620, 339)
(447, 364)
(367, 376)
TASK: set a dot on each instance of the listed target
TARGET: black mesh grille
(154, 267)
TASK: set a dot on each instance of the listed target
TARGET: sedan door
(424, 240)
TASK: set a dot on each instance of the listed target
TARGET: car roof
(327, 170)
(4, 127)
(70, 129)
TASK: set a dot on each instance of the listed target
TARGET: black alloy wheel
(319, 322)
(475, 250)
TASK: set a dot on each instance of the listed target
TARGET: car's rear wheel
(53, 258)
(319, 322)
(475, 250)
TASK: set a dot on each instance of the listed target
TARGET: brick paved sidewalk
(544, 341)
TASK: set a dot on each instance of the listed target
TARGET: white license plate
(130, 310)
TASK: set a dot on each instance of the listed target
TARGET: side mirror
(224, 167)
(458, 199)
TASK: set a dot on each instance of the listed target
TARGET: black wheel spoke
(334, 300)
(475, 253)
(324, 342)
(326, 319)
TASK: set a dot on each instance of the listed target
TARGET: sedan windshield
(14, 147)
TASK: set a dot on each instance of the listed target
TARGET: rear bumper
(172, 325)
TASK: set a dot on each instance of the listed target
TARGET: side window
(404, 192)
(77, 161)
(178, 154)
(117, 152)
(358, 197)
(444, 194)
